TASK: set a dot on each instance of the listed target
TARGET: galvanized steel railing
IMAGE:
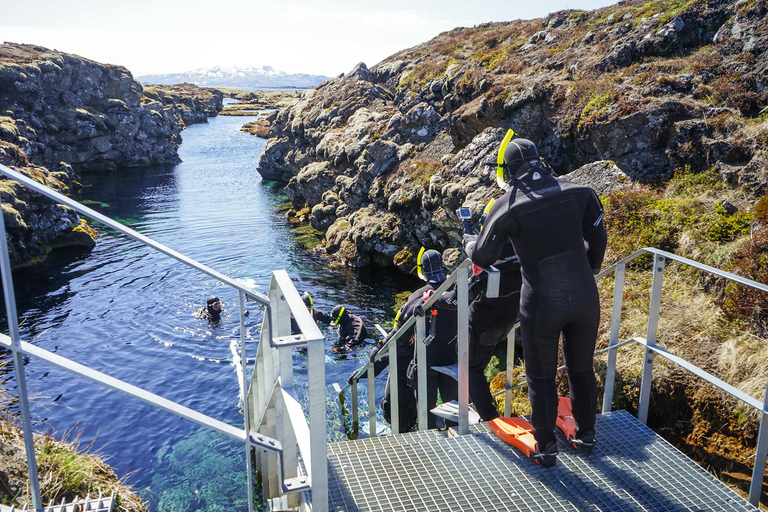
(295, 470)
(460, 277)
(661, 258)
(649, 342)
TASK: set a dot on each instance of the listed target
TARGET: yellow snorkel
(336, 320)
(500, 178)
(419, 270)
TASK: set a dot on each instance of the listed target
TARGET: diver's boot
(547, 457)
(585, 445)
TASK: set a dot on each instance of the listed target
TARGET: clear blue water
(128, 311)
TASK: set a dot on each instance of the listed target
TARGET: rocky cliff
(382, 157)
(61, 114)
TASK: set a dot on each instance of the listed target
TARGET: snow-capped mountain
(241, 77)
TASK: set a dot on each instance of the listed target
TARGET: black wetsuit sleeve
(494, 236)
(414, 300)
(450, 299)
(347, 333)
(594, 233)
(321, 316)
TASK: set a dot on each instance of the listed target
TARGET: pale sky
(321, 37)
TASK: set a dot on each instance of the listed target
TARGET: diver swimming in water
(351, 329)
(320, 317)
(212, 310)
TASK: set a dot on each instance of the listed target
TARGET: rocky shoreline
(384, 156)
(61, 115)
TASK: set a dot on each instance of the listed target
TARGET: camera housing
(464, 213)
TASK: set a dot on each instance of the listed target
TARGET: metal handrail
(390, 348)
(62, 199)
(282, 302)
(661, 259)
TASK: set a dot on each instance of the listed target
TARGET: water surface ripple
(129, 311)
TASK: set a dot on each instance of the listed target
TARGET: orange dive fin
(517, 432)
(565, 418)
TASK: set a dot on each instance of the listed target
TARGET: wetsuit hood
(431, 267)
(339, 315)
(516, 154)
(213, 307)
(307, 298)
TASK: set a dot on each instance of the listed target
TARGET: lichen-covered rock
(648, 87)
(195, 104)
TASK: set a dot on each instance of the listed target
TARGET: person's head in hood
(513, 156)
(213, 307)
(339, 315)
(307, 298)
(431, 267)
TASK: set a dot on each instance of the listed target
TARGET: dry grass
(67, 468)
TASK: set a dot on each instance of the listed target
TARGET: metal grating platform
(632, 469)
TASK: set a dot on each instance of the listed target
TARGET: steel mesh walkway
(632, 469)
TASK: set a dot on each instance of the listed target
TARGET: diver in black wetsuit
(548, 220)
(407, 404)
(212, 311)
(441, 325)
(490, 320)
(351, 329)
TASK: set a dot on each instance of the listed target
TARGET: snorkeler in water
(212, 310)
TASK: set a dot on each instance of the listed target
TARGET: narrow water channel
(130, 312)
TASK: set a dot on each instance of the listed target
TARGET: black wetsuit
(441, 351)
(490, 321)
(548, 219)
(352, 332)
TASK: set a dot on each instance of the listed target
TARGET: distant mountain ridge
(242, 77)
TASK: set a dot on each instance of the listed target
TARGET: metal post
(394, 388)
(355, 419)
(463, 355)
(244, 388)
(422, 369)
(761, 453)
(653, 325)
(18, 366)
(281, 322)
(510, 371)
(317, 424)
(610, 370)
(371, 401)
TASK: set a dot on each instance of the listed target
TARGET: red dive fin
(565, 418)
(517, 432)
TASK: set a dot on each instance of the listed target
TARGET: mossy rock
(8, 130)
(10, 73)
(12, 218)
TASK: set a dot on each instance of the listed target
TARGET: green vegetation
(423, 73)
(667, 9)
(67, 469)
(597, 106)
(641, 216)
(423, 170)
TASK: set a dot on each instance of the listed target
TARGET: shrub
(423, 171)
(740, 302)
(760, 210)
(725, 227)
